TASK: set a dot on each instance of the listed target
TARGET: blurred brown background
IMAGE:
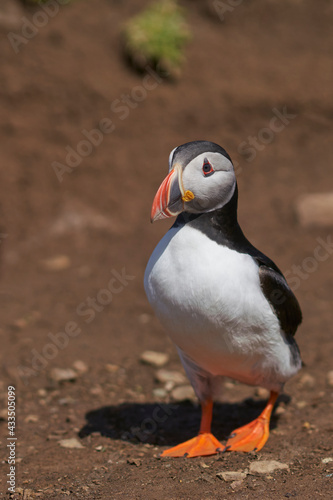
(62, 235)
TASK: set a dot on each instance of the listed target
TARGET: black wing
(279, 295)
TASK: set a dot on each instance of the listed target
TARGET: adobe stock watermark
(149, 425)
(88, 309)
(309, 265)
(222, 8)
(266, 135)
(30, 28)
(299, 273)
(93, 138)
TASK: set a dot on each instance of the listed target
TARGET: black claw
(185, 455)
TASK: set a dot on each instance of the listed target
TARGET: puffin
(226, 306)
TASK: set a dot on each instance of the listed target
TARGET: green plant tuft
(157, 37)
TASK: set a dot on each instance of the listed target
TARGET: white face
(211, 178)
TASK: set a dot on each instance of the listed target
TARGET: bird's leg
(202, 445)
(253, 436)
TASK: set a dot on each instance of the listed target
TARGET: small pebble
(329, 378)
(56, 263)
(169, 386)
(3, 414)
(236, 485)
(204, 465)
(42, 393)
(63, 374)
(309, 426)
(229, 476)
(96, 391)
(70, 443)
(183, 392)
(266, 466)
(262, 393)
(307, 381)
(327, 460)
(31, 418)
(154, 358)
(159, 392)
(21, 323)
(315, 209)
(165, 376)
(80, 366)
(144, 318)
(280, 410)
(66, 401)
(60, 432)
(134, 461)
(301, 404)
(112, 368)
(26, 493)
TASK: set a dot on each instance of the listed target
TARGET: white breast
(209, 299)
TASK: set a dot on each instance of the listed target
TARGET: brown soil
(64, 80)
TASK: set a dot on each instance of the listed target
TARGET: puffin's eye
(207, 168)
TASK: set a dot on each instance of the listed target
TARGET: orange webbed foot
(200, 446)
(252, 436)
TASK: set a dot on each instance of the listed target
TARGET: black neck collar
(220, 225)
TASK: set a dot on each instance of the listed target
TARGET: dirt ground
(258, 62)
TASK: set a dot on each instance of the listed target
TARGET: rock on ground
(62, 374)
(183, 392)
(230, 476)
(154, 358)
(267, 466)
(329, 378)
(307, 381)
(315, 209)
(80, 366)
(165, 376)
(56, 263)
(70, 443)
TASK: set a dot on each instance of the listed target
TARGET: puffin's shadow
(168, 424)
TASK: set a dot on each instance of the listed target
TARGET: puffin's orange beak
(168, 199)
